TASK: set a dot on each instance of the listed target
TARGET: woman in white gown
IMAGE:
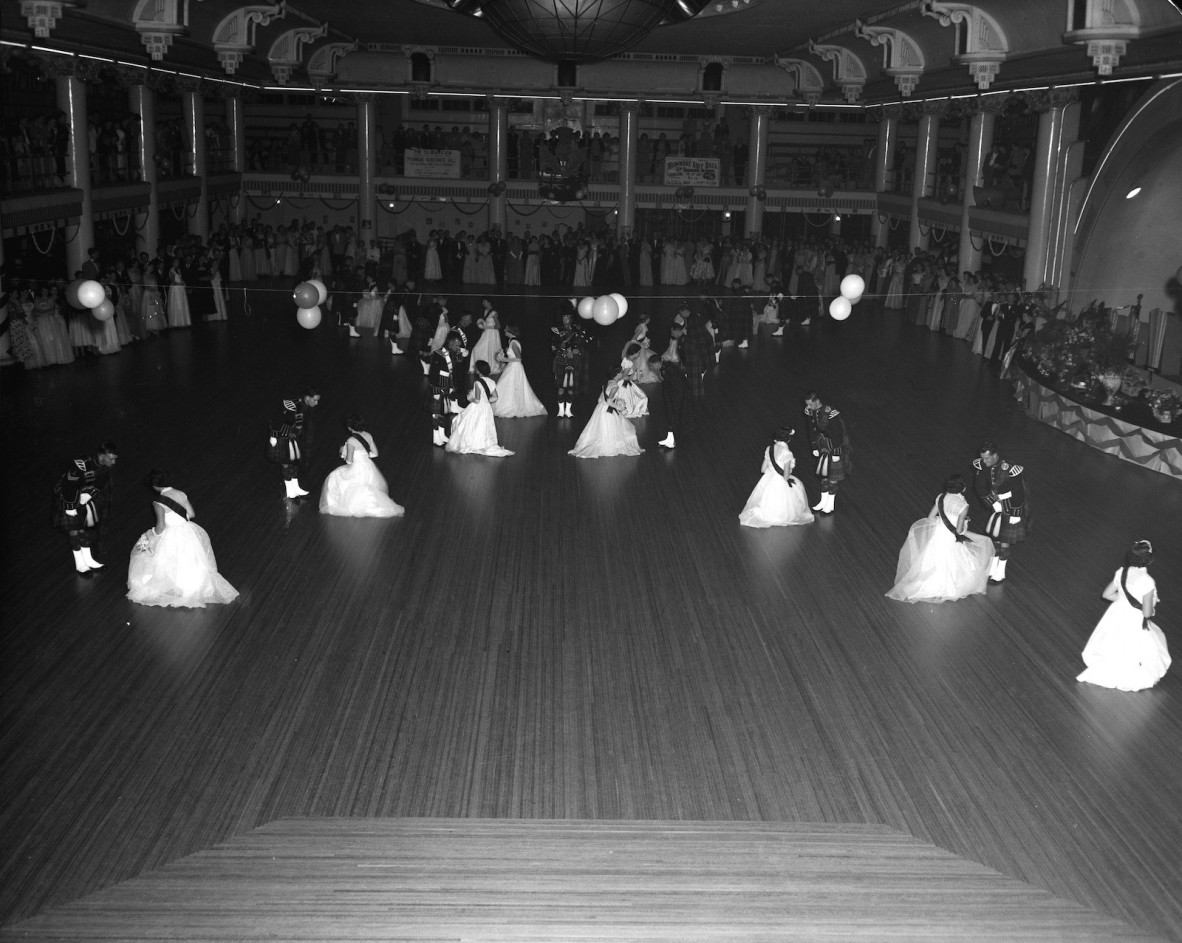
(1127, 651)
(178, 301)
(173, 564)
(639, 350)
(474, 430)
(357, 488)
(607, 432)
(635, 400)
(488, 345)
(515, 397)
(939, 561)
(779, 498)
(432, 270)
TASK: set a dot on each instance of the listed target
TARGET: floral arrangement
(1080, 349)
(1164, 403)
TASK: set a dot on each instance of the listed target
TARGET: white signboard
(692, 171)
(423, 162)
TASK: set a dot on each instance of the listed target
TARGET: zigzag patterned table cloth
(1158, 451)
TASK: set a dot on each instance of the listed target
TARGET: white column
(193, 105)
(888, 140)
(1047, 155)
(629, 134)
(980, 141)
(142, 101)
(498, 159)
(757, 165)
(236, 119)
(367, 161)
(71, 98)
(924, 182)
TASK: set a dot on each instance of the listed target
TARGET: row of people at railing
(35, 152)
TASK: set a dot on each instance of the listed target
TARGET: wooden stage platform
(544, 638)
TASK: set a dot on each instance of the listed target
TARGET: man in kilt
(681, 411)
(1000, 486)
(443, 377)
(288, 440)
(570, 362)
(830, 446)
(82, 503)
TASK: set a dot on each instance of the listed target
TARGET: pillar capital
(1048, 99)
(186, 83)
(761, 111)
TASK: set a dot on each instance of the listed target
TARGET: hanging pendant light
(577, 30)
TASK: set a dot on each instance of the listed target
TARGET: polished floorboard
(603, 881)
(549, 638)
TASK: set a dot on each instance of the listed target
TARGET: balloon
(321, 290)
(586, 308)
(605, 310)
(621, 302)
(91, 294)
(305, 295)
(72, 294)
(840, 308)
(308, 317)
(104, 310)
(852, 287)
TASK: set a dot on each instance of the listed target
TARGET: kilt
(284, 451)
(831, 467)
(1005, 531)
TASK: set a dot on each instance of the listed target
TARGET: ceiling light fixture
(1132, 193)
(577, 30)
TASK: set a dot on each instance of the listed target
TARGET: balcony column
(980, 141)
(193, 105)
(629, 135)
(142, 101)
(71, 99)
(1048, 155)
(888, 141)
(498, 161)
(757, 166)
(236, 119)
(924, 182)
(367, 162)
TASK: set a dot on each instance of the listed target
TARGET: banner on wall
(692, 171)
(423, 162)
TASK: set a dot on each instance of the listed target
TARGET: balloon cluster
(760, 193)
(88, 293)
(301, 175)
(497, 188)
(683, 193)
(604, 310)
(387, 188)
(825, 190)
(852, 287)
(309, 296)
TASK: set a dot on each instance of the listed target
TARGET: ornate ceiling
(836, 51)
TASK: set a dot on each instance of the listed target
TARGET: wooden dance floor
(544, 638)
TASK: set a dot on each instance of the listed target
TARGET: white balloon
(621, 302)
(91, 294)
(321, 289)
(852, 287)
(309, 318)
(840, 308)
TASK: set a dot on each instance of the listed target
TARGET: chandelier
(577, 30)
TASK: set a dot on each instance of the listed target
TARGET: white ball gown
(933, 565)
(176, 567)
(779, 499)
(474, 431)
(1121, 652)
(488, 344)
(357, 488)
(515, 397)
(635, 400)
(607, 432)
